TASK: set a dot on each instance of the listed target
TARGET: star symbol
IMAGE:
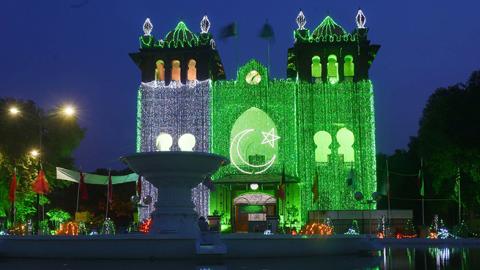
(270, 137)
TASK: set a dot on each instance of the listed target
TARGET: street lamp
(34, 153)
(68, 110)
(13, 111)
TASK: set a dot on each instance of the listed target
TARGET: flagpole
(459, 197)
(78, 194)
(388, 191)
(268, 58)
(108, 193)
(423, 192)
(13, 212)
(38, 208)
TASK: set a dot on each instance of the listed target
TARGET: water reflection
(430, 258)
(387, 258)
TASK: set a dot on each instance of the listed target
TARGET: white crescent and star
(268, 138)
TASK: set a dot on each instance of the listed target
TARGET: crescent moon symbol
(236, 142)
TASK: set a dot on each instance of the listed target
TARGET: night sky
(76, 51)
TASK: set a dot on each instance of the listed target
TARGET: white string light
(301, 20)
(147, 27)
(361, 19)
(175, 109)
(204, 25)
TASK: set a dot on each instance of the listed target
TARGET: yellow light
(13, 110)
(69, 110)
(34, 153)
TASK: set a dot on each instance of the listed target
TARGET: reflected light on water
(441, 255)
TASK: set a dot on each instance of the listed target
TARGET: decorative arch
(176, 70)
(348, 68)
(192, 70)
(253, 142)
(160, 70)
(255, 199)
(332, 69)
(316, 69)
(345, 139)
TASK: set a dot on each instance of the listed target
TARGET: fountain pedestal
(174, 174)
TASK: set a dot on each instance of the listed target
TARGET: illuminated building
(318, 123)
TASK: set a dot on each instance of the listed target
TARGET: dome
(328, 28)
(181, 36)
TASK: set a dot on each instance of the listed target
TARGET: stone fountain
(174, 174)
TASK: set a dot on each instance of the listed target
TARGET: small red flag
(109, 188)
(83, 187)
(139, 185)
(13, 188)
(40, 186)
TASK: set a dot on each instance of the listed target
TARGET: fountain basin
(161, 167)
(174, 174)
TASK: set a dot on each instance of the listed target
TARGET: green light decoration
(327, 30)
(348, 67)
(181, 36)
(316, 68)
(325, 127)
(319, 121)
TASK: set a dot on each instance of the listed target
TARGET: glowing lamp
(187, 142)
(68, 110)
(164, 142)
(34, 153)
(13, 111)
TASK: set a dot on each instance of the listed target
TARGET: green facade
(298, 110)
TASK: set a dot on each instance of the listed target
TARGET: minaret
(173, 107)
(330, 66)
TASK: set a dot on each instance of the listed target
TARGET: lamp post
(67, 111)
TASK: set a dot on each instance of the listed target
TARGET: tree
(33, 127)
(448, 140)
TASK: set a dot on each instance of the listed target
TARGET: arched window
(192, 70)
(345, 139)
(159, 70)
(348, 68)
(176, 70)
(322, 140)
(332, 69)
(316, 69)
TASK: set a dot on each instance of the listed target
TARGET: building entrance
(255, 212)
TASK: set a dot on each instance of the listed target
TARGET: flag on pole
(315, 187)
(281, 187)
(83, 187)
(267, 32)
(13, 188)
(109, 188)
(40, 186)
(421, 180)
(139, 185)
(229, 31)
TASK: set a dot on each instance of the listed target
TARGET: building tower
(331, 67)
(173, 112)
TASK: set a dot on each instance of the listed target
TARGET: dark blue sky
(76, 50)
